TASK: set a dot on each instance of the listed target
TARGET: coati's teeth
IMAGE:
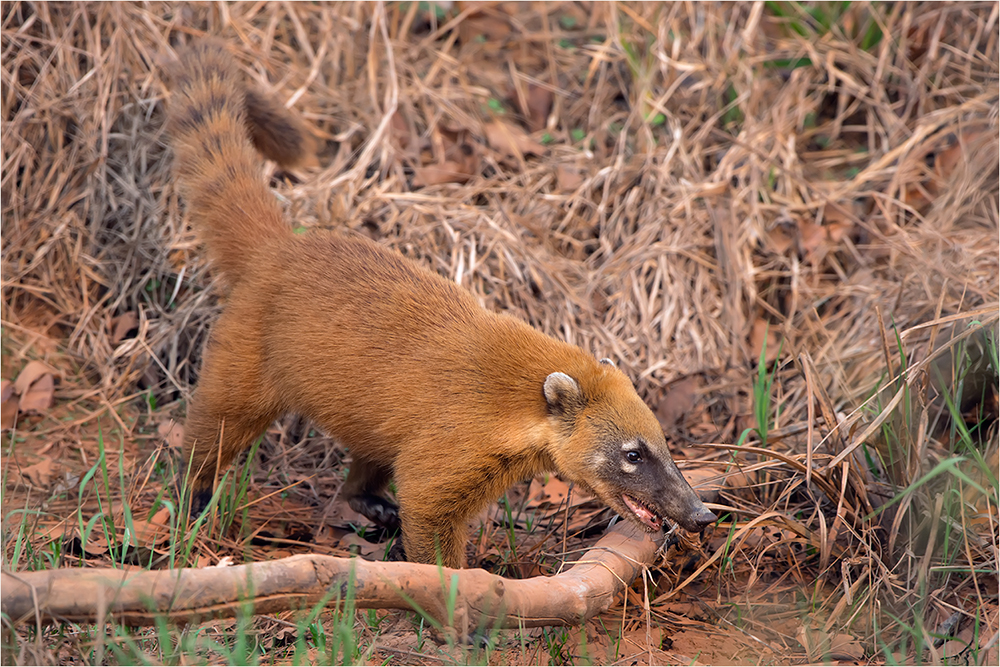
(642, 512)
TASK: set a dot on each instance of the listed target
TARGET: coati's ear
(607, 361)
(562, 393)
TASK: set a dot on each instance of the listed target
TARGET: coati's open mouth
(642, 512)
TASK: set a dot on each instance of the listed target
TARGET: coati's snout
(652, 489)
(610, 442)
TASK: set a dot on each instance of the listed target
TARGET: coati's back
(385, 349)
(401, 365)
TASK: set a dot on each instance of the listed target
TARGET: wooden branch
(137, 598)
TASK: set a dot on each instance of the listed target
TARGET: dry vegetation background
(669, 185)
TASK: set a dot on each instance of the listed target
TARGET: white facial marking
(629, 446)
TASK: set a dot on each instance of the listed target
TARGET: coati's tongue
(644, 515)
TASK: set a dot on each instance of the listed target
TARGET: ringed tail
(214, 122)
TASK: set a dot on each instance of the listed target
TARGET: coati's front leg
(425, 533)
(435, 511)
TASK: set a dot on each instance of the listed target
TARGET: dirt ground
(779, 219)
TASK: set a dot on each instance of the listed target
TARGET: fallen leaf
(40, 395)
(526, 570)
(552, 492)
(706, 482)
(330, 536)
(399, 130)
(172, 432)
(677, 402)
(9, 406)
(811, 239)
(446, 157)
(736, 479)
(948, 159)
(781, 237)
(757, 340)
(568, 178)
(815, 241)
(29, 374)
(154, 531)
(39, 474)
(360, 546)
(281, 636)
(55, 532)
(539, 105)
(511, 140)
(122, 324)
(992, 655)
(846, 647)
(97, 544)
(689, 612)
(821, 646)
(436, 174)
(974, 496)
(491, 27)
(917, 43)
(953, 650)
(813, 641)
(917, 196)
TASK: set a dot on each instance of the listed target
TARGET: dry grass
(684, 175)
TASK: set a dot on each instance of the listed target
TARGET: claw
(396, 551)
(377, 509)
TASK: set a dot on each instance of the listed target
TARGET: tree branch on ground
(138, 598)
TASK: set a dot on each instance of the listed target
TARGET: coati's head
(607, 440)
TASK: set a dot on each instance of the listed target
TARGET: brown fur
(278, 134)
(396, 362)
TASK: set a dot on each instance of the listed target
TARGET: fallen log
(138, 598)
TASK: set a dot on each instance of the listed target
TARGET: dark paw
(481, 639)
(199, 501)
(377, 509)
(396, 551)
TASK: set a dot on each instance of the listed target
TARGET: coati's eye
(633, 456)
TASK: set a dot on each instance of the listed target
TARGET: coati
(404, 367)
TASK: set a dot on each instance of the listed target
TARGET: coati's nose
(704, 517)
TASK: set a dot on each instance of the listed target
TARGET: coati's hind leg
(363, 489)
(217, 435)
(232, 406)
